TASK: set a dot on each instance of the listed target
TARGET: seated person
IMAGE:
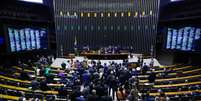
(22, 98)
(147, 97)
(43, 85)
(50, 79)
(61, 74)
(75, 93)
(133, 96)
(24, 75)
(50, 98)
(162, 97)
(35, 84)
(152, 77)
(62, 91)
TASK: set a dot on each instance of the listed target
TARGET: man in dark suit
(93, 96)
(63, 65)
(43, 85)
(24, 75)
(144, 69)
(152, 77)
(106, 98)
(34, 86)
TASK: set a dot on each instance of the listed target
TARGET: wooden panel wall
(99, 23)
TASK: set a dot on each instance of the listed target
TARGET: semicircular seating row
(189, 83)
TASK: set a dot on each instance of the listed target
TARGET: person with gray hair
(133, 96)
(93, 96)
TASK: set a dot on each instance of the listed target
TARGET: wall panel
(99, 23)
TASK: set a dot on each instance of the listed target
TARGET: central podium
(108, 56)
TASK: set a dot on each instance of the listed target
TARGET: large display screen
(23, 39)
(34, 1)
(1, 40)
(185, 39)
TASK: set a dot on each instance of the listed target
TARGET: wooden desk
(31, 71)
(26, 70)
(173, 79)
(191, 71)
(12, 79)
(177, 85)
(27, 89)
(175, 93)
(14, 87)
(185, 72)
(25, 81)
(175, 69)
(170, 66)
(105, 56)
(9, 97)
(182, 68)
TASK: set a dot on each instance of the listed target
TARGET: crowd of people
(110, 49)
(93, 82)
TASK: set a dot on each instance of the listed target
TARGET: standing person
(42, 70)
(106, 98)
(141, 61)
(121, 94)
(47, 71)
(105, 70)
(145, 68)
(37, 71)
(68, 65)
(152, 77)
(80, 97)
(99, 66)
(93, 96)
(63, 65)
(138, 61)
(62, 76)
(34, 86)
(86, 78)
(152, 62)
(113, 85)
(43, 60)
(49, 59)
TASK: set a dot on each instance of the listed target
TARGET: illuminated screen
(23, 39)
(185, 39)
(175, 0)
(34, 1)
(1, 40)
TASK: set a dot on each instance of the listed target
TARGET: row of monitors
(105, 14)
(25, 39)
(185, 39)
